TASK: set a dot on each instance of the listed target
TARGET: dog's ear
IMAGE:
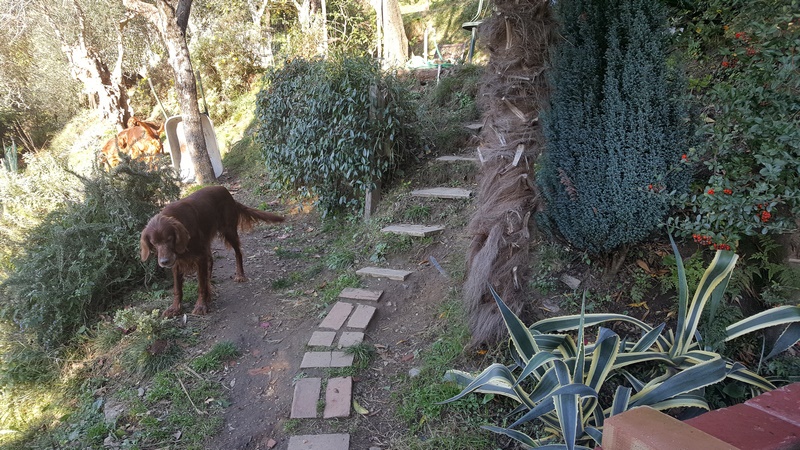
(181, 237)
(144, 244)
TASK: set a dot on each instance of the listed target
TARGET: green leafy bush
(559, 379)
(615, 129)
(83, 254)
(747, 85)
(323, 130)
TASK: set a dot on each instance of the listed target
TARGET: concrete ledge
(644, 428)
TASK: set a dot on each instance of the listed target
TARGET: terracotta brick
(350, 338)
(338, 397)
(644, 428)
(320, 442)
(341, 359)
(337, 316)
(783, 403)
(361, 317)
(306, 396)
(316, 359)
(322, 339)
(748, 428)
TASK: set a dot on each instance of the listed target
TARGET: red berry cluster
(722, 246)
(710, 191)
(727, 191)
(702, 240)
(763, 214)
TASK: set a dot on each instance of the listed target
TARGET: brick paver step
(377, 272)
(442, 192)
(338, 396)
(413, 230)
(322, 339)
(360, 294)
(326, 359)
(306, 396)
(320, 442)
(361, 317)
(337, 316)
(350, 338)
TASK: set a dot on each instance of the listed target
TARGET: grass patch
(215, 359)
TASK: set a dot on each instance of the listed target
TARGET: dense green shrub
(321, 133)
(83, 254)
(615, 129)
(745, 78)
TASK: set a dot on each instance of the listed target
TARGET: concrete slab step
(454, 158)
(350, 339)
(377, 272)
(413, 230)
(361, 294)
(442, 192)
(320, 442)
(326, 359)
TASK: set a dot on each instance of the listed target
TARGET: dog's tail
(249, 216)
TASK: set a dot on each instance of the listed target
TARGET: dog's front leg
(177, 293)
(203, 287)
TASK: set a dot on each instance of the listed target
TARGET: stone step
(320, 442)
(413, 230)
(306, 396)
(361, 317)
(442, 192)
(350, 339)
(454, 158)
(337, 316)
(338, 397)
(360, 294)
(377, 272)
(322, 339)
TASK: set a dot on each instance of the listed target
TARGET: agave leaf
(546, 385)
(603, 358)
(520, 335)
(649, 338)
(741, 373)
(620, 403)
(635, 382)
(580, 360)
(683, 287)
(568, 417)
(495, 379)
(560, 343)
(626, 359)
(562, 372)
(544, 407)
(519, 436)
(687, 400)
(787, 339)
(536, 362)
(595, 434)
(716, 275)
(771, 317)
(698, 376)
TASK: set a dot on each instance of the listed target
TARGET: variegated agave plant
(557, 379)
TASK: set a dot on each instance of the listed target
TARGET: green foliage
(615, 129)
(148, 346)
(322, 131)
(559, 380)
(221, 353)
(750, 133)
(82, 254)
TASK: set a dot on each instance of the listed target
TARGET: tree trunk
(261, 26)
(103, 86)
(393, 45)
(171, 24)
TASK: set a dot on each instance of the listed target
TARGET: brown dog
(181, 235)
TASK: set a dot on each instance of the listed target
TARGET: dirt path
(272, 327)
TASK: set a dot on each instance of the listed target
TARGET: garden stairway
(344, 326)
